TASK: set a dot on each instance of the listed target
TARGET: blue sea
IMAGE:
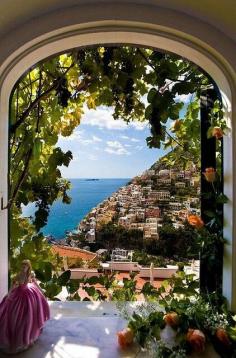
(85, 195)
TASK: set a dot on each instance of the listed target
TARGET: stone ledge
(82, 309)
(86, 330)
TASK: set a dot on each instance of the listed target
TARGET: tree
(182, 243)
(111, 236)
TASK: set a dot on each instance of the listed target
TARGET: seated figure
(23, 312)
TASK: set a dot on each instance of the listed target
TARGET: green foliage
(27, 244)
(180, 296)
(145, 260)
(179, 244)
(112, 235)
(75, 262)
(50, 282)
(48, 101)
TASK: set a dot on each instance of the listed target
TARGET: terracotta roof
(73, 252)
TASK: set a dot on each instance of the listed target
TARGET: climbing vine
(48, 101)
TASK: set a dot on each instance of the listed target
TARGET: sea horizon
(85, 195)
(94, 177)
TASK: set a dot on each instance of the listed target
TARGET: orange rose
(210, 174)
(125, 337)
(223, 337)
(217, 132)
(172, 319)
(196, 339)
(196, 221)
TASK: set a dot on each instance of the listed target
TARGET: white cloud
(79, 136)
(139, 126)
(102, 118)
(135, 140)
(96, 139)
(139, 147)
(86, 141)
(114, 144)
(115, 147)
(183, 98)
(75, 136)
(76, 157)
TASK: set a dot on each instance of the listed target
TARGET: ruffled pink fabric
(22, 315)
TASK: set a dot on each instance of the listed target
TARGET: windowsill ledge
(85, 329)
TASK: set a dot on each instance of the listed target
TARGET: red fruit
(196, 339)
(223, 337)
(172, 319)
(210, 174)
(177, 124)
(125, 337)
(217, 132)
(196, 221)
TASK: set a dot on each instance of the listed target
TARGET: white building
(163, 195)
(164, 173)
(175, 205)
(180, 184)
(90, 236)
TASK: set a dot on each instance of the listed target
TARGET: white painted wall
(123, 266)
(160, 272)
(77, 274)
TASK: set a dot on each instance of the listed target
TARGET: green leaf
(93, 280)
(151, 95)
(45, 271)
(73, 286)
(64, 278)
(232, 333)
(210, 214)
(222, 199)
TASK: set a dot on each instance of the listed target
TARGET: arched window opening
(141, 84)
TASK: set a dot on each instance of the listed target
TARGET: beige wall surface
(220, 14)
(208, 20)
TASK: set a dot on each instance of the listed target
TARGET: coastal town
(144, 202)
(142, 206)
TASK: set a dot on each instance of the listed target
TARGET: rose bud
(125, 337)
(195, 221)
(222, 336)
(217, 132)
(196, 339)
(210, 174)
(172, 319)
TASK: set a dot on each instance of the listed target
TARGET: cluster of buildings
(143, 203)
(120, 264)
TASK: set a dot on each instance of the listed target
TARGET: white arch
(122, 32)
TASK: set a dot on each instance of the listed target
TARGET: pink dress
(22, 315)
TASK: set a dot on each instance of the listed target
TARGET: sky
(106, 148)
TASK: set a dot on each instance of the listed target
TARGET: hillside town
(157, 195)
(143, 203)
